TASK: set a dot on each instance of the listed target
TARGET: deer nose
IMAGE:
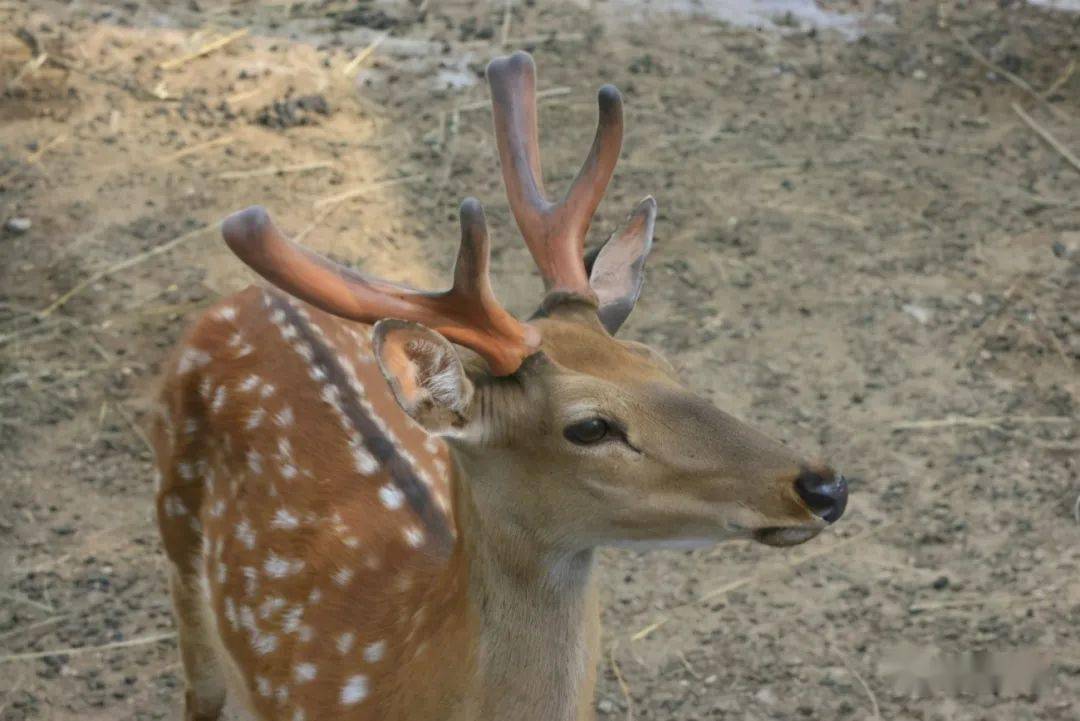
(825, 494)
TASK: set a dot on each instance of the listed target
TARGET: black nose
(826, 495)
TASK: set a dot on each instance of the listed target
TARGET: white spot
(285, 520)
(174, 506)
(250, 383)
(264, 643)
(414, 536)
(278, 567)
(331, 394)
(254, 461)
(288, 332)
(284, 447)
(191, 359)
(270, 606)
(186, 471)
(230, 612)
(431, 444)
(365, 462)
(218, 509)
(278, 316)
(351, 542)
(222, 573)
(284, 417)
(219, 399)
(205, 386)
(314, 597)
(288, 471)
(251, 580)
(290, 622)
(245, 534)
(226, 313)
(263, 685)
(282, 694)
(345, 642)
(391, 496)
(343, 576)
(304, 672)
(267, 390)
(299, 715)
(255, 418)
(373, 652)
(355, 690)
(304, 349)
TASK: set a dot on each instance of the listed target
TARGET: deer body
(340, 599)
(376, 524)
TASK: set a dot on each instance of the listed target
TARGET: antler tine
(468, 313)
(592, 180)
(555, 233)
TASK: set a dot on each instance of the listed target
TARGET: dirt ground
(863, 247)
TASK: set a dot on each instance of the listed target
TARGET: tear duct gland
(398, 522)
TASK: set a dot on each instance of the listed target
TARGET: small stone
(919, 74)
(606, 706)
(766, 696)
(17, 225)
(1058, 247)
(923, 315)
(941, 583)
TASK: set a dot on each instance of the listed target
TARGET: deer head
(564, 435)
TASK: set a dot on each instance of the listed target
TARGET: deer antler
(554, 232)
(468, 313)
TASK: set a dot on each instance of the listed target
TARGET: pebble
(18, 225)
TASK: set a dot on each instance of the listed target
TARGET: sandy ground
(862, 247)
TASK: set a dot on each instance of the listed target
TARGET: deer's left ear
(424, 373)
(617, 270)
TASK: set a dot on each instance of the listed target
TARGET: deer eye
(587, 432)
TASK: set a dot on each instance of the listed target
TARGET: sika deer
(378, 524)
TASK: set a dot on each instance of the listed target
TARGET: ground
(867, 245)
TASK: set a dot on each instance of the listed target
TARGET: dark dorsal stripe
(382, 448)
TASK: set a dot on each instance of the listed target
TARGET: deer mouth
(785, 535)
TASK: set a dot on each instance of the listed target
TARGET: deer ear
(424, 373)
(617, 270)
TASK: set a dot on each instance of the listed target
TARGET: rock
(923, 315)
(17, 225)
(766, 696)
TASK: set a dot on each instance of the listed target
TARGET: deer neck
(534, 617)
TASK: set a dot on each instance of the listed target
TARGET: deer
(379, 502)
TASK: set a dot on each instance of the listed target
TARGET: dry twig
(623, 686)
(542, 95)
(274, 170)
(354, 64)
(764, 575)
(1046, 135)
(124, 265)
(363, 189)
(35, 156)
(204, 50)
(978, 422)
(141, 641)
(998, 70)
(199, 147)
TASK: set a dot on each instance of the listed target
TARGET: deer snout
(824, 492)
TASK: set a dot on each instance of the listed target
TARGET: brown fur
(502, 623)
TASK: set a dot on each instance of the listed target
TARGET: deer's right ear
(424, 373)
(617, 271)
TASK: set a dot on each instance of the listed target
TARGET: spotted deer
(400, 522)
